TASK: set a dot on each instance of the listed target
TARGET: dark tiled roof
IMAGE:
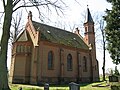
(59, 36)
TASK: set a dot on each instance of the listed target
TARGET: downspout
(61, 67)
(91, 66)
(37, 81)
(59, 78)
(78, 70)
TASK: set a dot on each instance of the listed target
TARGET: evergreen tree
(113, 30)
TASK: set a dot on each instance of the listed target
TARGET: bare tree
(102, 29)
(10, 6)
(17, 26)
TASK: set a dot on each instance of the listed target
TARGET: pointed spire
(88, 16)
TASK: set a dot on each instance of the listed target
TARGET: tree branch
(16, 25)
(1, 12)
(2, 15)
(29, 6)
(4, 4)
(40, 3)
(78, 2)
(16, 2)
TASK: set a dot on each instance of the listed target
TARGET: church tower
(90, 41)
(89, 30)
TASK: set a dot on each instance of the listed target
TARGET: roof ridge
(53, 27)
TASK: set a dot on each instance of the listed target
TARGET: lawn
(82, 87)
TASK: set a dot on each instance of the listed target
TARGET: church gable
(23, 36)
(59, 36)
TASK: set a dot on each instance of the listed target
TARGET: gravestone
(20, 88)
(74, 86)
(46, 86)
(113, 78)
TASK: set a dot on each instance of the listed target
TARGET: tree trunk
(103, 60)
(4, 46)
(103, 73)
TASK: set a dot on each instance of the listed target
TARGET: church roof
(89, 17)
(59, 36)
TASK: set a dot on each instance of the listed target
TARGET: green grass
(82, 87)
(25, 87)
(89, 87)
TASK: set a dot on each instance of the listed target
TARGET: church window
(93, 29)
(85, 29)
(25, 48)
(18, 48)
(69, 62)
(84, 64)
(29, 49)
(22, 48)
(50, 60)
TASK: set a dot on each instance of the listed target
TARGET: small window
(69, 62)
(84, 64)
(18, 49)
(50, 60)
(22, 48)
(93, 28)
(85, 29)
(28, 48)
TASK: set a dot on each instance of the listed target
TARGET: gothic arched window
(69, 62)
(18, 48)
(84, 64)
(50, 60)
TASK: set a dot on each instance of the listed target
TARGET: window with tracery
(50, 60)
(84, 64)
(69, 62)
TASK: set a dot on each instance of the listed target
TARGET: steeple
(89, 29)
(88, 16)
(90, 41)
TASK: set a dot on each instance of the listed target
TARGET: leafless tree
(102, 29)
(17, 26)
(9, 7)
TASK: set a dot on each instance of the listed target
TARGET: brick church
(44, 53)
